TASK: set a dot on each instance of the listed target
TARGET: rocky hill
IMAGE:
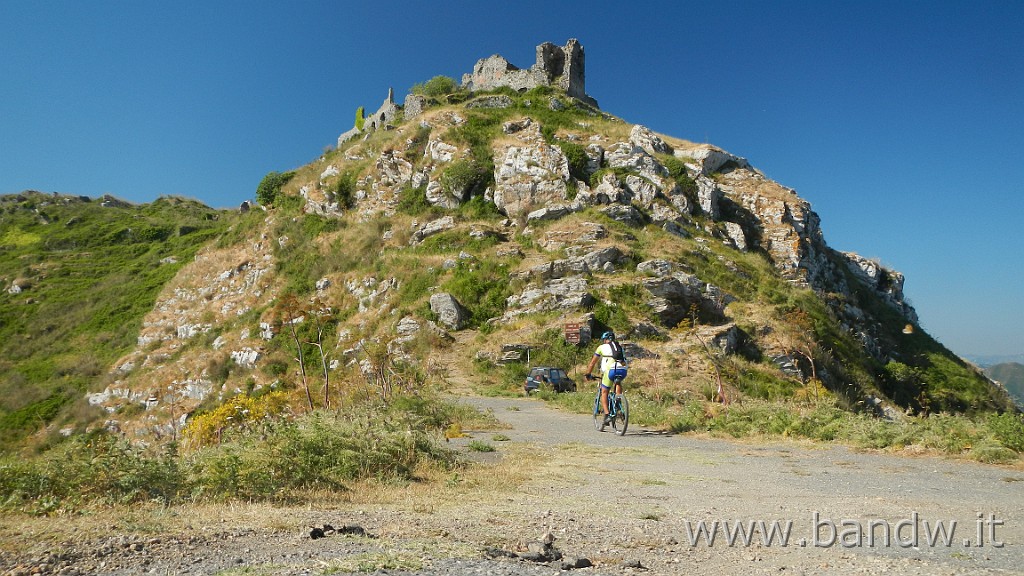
(443, 237)
(1010, 375)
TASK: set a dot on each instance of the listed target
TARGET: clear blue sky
(901, 122)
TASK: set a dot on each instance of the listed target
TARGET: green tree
(269, 189)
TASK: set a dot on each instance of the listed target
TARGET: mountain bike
(618, 406)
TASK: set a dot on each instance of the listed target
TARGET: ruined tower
(557, 66)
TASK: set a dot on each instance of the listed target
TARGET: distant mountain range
(1010, 375)
(987, 360)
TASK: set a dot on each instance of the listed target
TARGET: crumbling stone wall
(561, 67)
(387, 113)
(384, 115)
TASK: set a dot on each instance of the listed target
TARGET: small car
(553, 378)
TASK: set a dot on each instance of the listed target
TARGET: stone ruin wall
(560, 67)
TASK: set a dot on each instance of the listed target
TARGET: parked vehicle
(549, 378)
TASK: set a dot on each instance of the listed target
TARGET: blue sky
(901, 122)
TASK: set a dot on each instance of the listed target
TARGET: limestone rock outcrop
(450, 313)
(529, 173)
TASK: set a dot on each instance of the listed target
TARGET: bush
(269, 189)
(436, 87)
(321, 451)
(1008, 429)
(577, 157)
(621, 172)
(95, 467)
(413, 201)
(677, 170)
(459, 178)
(277, 459)
(480, 446)
(360, 118)
(481, 287)
(239, 413)
(344, 189)
(552, 349)
(479, 208)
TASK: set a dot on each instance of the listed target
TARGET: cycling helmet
(608, 336)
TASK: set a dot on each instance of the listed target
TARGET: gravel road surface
(644, 503)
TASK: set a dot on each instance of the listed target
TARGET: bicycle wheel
(621, 421)
(598, 416)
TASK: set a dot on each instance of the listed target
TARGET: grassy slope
(92, 273)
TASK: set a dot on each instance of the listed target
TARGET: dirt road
(669, 504)
(831, 498)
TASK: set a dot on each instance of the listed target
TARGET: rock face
(884, 281)
(561, 67)
(529, 173)
(449, 312)
(567, 294)
(678, 295)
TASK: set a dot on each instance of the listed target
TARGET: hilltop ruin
(561, 67)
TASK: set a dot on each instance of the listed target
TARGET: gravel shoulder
(620, 502)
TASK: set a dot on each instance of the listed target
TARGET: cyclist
(613, 367)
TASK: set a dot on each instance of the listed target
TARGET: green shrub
(344, 190)
(266, 459)
(613, 316)
(321, 451)
(269, 190)
(418, 143)
(479, 208)
(552, 349)
(621, 172)
(454, 241)
(577, 157)
(360, 118)
(481, 287)
(993, 453)
(413, 201)
(94, 467)
(436, 87)
(417, 285)
(1008, 429)
(459, 178)
(759, 381)
(677, 170)
(480, 446)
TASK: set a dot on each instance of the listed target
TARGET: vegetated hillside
(428, 249)
(77, 276)
(1010, 375)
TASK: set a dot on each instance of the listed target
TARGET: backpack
(617, 354)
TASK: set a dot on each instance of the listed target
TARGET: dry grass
(435, 491)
